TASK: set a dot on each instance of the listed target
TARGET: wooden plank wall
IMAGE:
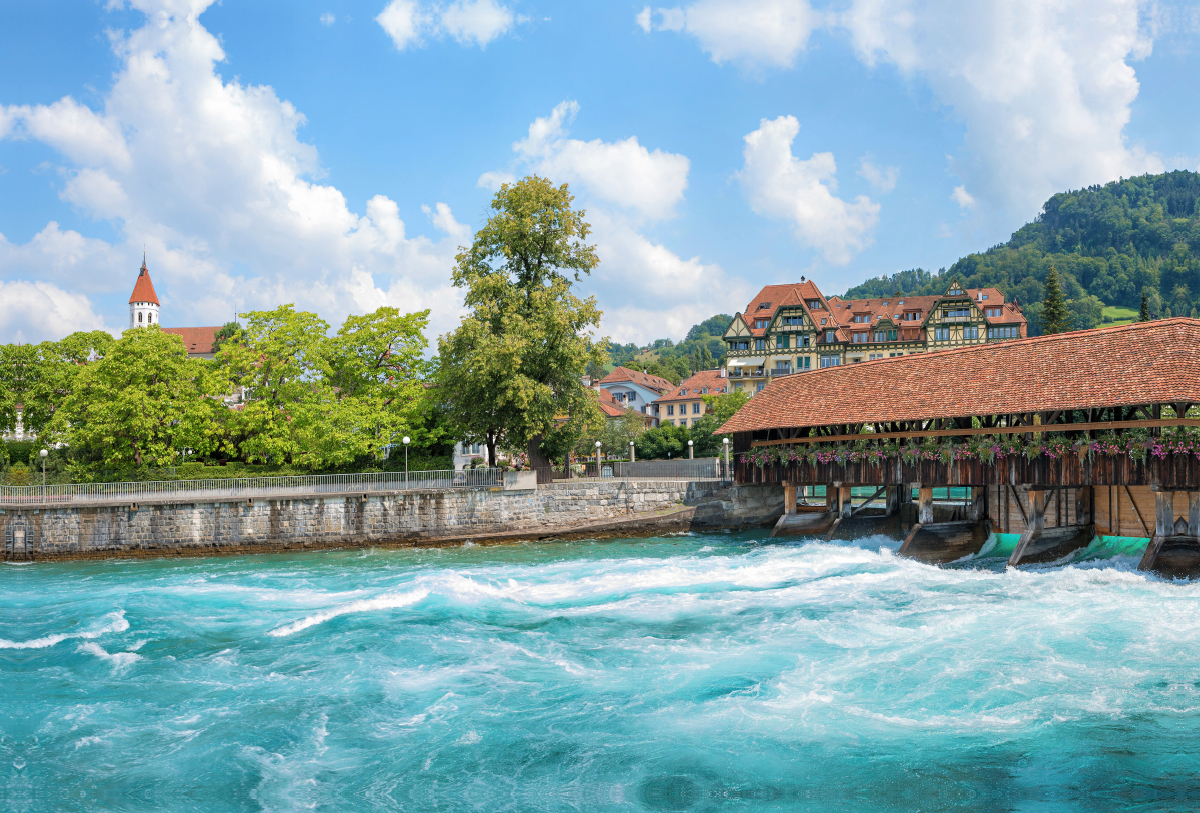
(1121, 519)
(1006, 515)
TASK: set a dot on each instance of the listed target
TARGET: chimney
(722, 372)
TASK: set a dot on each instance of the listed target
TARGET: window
(760, 344)
(831, 361)
(831, 336)
(149, 318)
(632, 397)
(1004, 332)
(793, 320)
(941, 334)
(862, 317)
(885, 335)
(970, 333)
(670, 409)
(695, 408)
(815, 304)
(139, 316)
(762, 306)
(803, 362)
(874, 356)
(760, 324)
(958, 313)
(781, 341)
(912, 316)
(992, 313)
(860, 338)
(982, 297)
(893, 355)
(761, 384)
(823, 321)
(955, 291)
(806, 340)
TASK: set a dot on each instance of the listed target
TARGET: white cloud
(752, 33)
(39, 311)
(778, 184)
(214, 180)
(881, 179)
(469, 22)
(645, 290)
(327, 19)
(494, 180)
(1044, 86)
(962, 197)
(621, 172)
(643, 19)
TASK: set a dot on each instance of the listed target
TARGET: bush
(20, 451)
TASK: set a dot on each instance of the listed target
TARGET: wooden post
(844, 502)
(1164, 513)
(893, 500)
(789, 498)
(1034, 526)
(1194, 513)
(1085, 506)
(831, 496)
(978, 503)
(925, 511)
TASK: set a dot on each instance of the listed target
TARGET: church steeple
(143, 302)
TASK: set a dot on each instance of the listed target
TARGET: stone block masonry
(400, 518)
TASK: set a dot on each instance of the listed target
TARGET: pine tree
(1144, 313)
(1055, 316)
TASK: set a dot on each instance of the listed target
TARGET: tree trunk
(537, 460)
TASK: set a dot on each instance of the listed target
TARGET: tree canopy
(511, 373)
(1110, 245)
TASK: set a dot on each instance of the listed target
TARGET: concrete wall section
(401, 518)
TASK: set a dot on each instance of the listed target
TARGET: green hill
(1111, 245)
(702, 349)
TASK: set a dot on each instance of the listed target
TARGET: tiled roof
(1133, 364)
(650, 382)
(705, 382)
(609, 405)
(143, 289)
(197, 340)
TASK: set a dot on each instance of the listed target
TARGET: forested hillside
(1110, 244)
(702, 349)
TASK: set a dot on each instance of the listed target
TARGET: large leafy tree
(378, 368)
(281, 361)
(40, 377)
(512, 370)
(142, 404)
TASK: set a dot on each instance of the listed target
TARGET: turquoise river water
(722, 672)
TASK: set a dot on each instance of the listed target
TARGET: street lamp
(631, 451)
(725, 443)
(43, 453)
(691, 452)
(597, 458)
(405, 454)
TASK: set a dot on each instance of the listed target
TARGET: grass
(1118, 316)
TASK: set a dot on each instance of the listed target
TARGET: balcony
(781, 371)
(956, 319)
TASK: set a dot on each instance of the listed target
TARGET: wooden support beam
(874, 497)
(1020, 505)
(1128, 493)
(941, 433)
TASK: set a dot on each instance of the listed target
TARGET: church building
(143, 312)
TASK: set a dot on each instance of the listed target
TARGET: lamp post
(597, 458)
(405, 439)
(631, 451)
(725, 443)
(43, 454)
(691, 451)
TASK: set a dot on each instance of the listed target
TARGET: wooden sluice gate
(1047, 442)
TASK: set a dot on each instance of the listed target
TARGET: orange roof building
(634, 390)
(143, 312)
(684, 405)
(790, 329)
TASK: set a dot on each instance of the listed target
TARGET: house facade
(684, 405)
(790, 329)
(633, 390)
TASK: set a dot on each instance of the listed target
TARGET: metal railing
(707, 469)
(245, 487)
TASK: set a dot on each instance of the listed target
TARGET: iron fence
(246, 487)
(686, 470)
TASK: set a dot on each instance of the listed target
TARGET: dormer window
(762, 306)
(815, 304)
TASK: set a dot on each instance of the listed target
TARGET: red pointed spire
(143, 291)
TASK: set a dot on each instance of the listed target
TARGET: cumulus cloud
(1044, 86)
(213, 178)
(621, 172)
(469, 22)
(752, 33)
(881, 179)
(778, 184)
(645, 289)
(40, 311)
(962, 197)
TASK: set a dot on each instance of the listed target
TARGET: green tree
(721, 408)
(41, 377)
(1055, 317)
(1144, 311)
(142, 404)
(228, 331)
(378, 369)
(512, 370)
(282, 364)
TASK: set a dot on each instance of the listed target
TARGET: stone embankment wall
(402, 518)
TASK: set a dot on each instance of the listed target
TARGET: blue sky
(334, 154)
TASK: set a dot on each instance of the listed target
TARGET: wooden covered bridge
(1056, 438)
